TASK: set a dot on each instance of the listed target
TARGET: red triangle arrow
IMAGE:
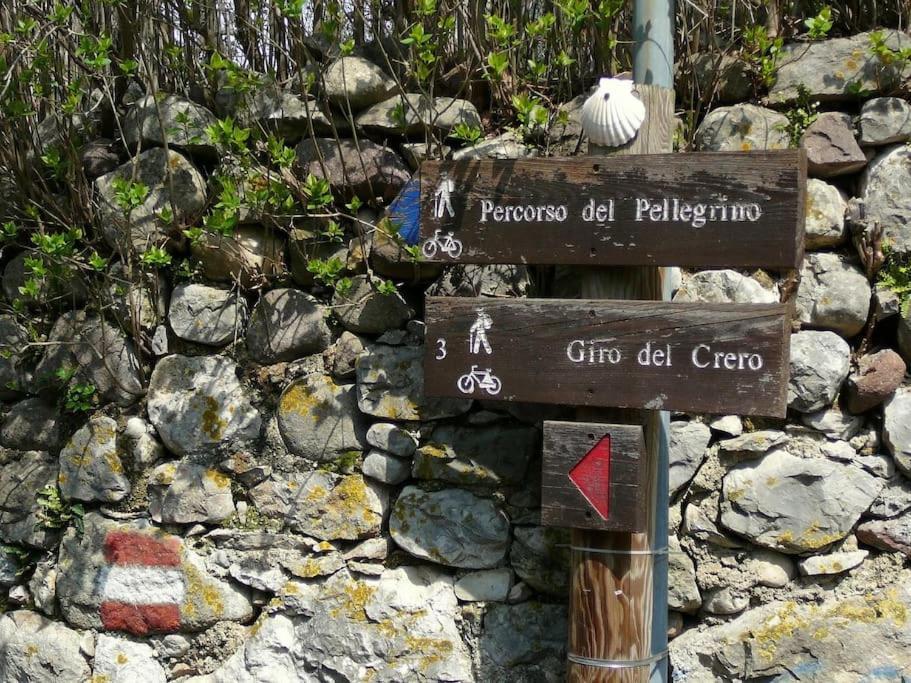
(591, 475)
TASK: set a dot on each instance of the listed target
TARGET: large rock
(172, 182)
(133, 577)
(62, 288)
(505, 146)
(390, 385)
(415, 113)
(159, 119)
(877, 377)
(252, 254)
(825, 215)
(184, 493)
(794, 504)
(122, 661)
(831, 147)
(356, 83)
(516, 636)
(287, 115)
(820, 362)
(887, 202)
(13, 341)
(199, 407)
(541, 558)
(101, 352)
(90, 467)
(884, 121)
(471, 455)
(363, 310)
(287, 324)
(32, 425)
(206, 315)
(21, 477)
(452, 527)
(319, 419)
(855, 637)
(688, 441)
(837, 69)
(37, 650)
(683, 591)
(741, 128)
(833, 294)
(724, 287)
(897, 428)
(363, 168)
(727, 76)
(392, 438)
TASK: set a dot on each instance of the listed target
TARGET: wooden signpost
(710, 209)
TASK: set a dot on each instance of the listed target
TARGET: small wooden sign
(697, 357)
(593, 476)
(723, 209)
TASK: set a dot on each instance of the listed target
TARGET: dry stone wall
(260, 490)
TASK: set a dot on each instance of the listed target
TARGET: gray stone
(183, 493)
(728, 76)
(819, 364)
(390, 385)
(416, 153)
(683, 592)
(884, 121)
(22, 476)
(831, 147)
(414, 113)
(688, 441)
(833, 563)
(43, 587)
(481, 280)
(13, 341)
(729, 424)
(515, 635)
(90, 467)
(287, 324)
(206, 315)
(341, 357)
(893, 500)
(86, 579)
(890, 535)
(877, 377)
(252, 254)
(103, 356)
(540, 557)
(140, 444)
(771, 569)
(38, 650)
(834, 422)
(897, 428)
(392, 438)
(364, 310)
(363, 169)
(452, 527)
(172, 182)
(505, 146)
(285, 114)
(386, 468)
(319, 420)
(199, 407)
(837, 69)
(887, 202)
(794, 504)
(724, 287)
(725, 601)
(32, 424)
(160, 118)
(257, 574)
(752, 444)
(468, 455)
(741, 128)
(9, 570)
(833, 294)
(487, 585)
(64, 289)
(123, 661)
(138, 298)
(356, 83)
(824, 225)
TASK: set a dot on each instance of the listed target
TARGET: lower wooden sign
(696, 357)
(593, 476)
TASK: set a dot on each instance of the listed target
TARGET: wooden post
(618, 592)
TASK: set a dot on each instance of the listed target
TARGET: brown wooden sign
(724, 209)
(697, 357)
(593, 476)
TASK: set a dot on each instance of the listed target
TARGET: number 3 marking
(441, 351)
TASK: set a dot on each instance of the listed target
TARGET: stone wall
(260, 491)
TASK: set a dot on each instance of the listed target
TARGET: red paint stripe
(130, 547)
(140, 619)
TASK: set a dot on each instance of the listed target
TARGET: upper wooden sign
(724, 209)
(711, 358)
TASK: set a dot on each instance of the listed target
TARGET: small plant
(818, 27)
(155, 257)
(318, 192)
(529, 111)
(56, 513)
(386, 288)
(467, 133)
(334, 232)
(79, 398)
(895, 275)
(326, 271)
(761, 54)
(800, 116)
(129, 194)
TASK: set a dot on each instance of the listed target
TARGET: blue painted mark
(887, 672)
(405, 211)
(799, 670)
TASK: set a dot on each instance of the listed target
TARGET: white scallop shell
(613, 114)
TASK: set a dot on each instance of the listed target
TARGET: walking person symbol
(477, 338)
(442, 197)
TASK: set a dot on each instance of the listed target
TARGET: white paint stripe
(144, 585)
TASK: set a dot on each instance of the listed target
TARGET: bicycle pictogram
(442, 243)
(479, 379)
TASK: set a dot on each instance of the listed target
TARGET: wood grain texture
(563, 504)
(626, 354)
(772, 181)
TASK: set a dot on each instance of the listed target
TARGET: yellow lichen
(213, 425)
(356, 596)
(113, 462)
(779, 626)
(122, 658)
(220, 480)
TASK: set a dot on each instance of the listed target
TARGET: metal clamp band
(606, 551)
(617, 663)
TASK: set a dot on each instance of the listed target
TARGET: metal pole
(653, 47)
